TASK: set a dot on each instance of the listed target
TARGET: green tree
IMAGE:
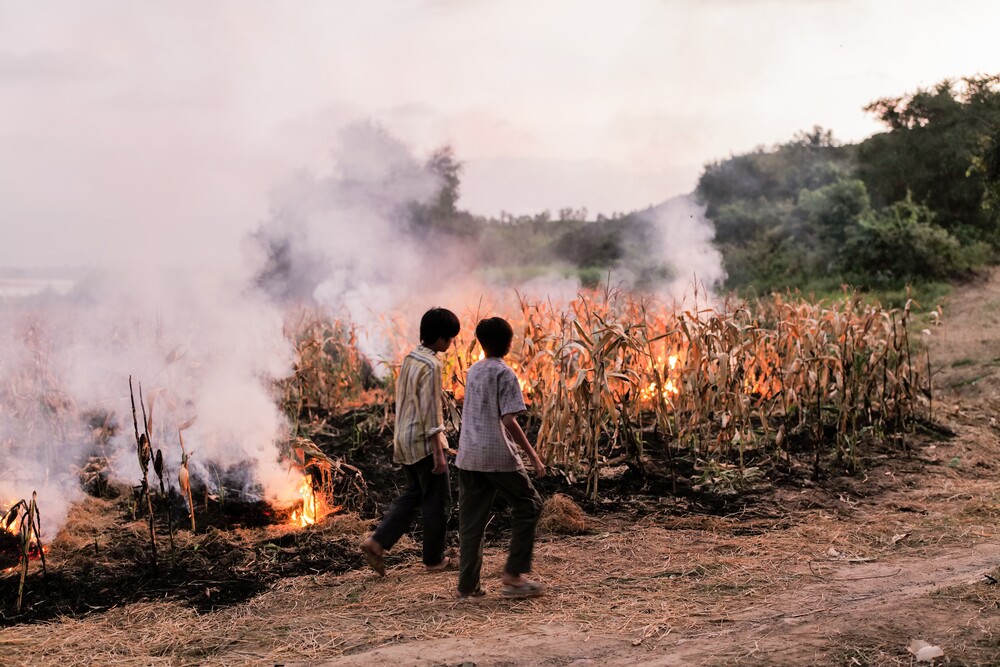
(934, 138)
(832, 212)
(810, 160)
(441, 216)
(443, 164)
(987, 163)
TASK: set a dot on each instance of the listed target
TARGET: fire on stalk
(314, 506)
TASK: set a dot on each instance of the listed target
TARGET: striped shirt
(419, 403)
(491, 391)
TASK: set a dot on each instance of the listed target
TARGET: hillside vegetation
(917, 203)
(908, 205)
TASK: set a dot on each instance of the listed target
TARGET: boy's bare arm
(440, 445)
(509, 422)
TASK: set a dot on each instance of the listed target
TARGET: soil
(847, 569)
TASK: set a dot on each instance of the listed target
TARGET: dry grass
(90, 519)
(638, 583)
(647, 582)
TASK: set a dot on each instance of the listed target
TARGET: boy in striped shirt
(419, 446)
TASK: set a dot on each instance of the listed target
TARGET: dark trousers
(429, 493)
(475, 502)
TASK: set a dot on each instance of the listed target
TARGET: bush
(901, 244)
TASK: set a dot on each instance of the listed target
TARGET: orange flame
(313, 508)
(14, 528)
(14, 531)
(669, 389)
(524, 384)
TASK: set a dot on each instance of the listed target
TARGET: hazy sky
(141, 129)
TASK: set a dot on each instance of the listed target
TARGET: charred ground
(103, 557)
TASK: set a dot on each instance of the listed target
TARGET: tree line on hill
(520, 247)
(917, 203)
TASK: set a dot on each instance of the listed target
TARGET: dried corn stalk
(25, 522)
(722, 386)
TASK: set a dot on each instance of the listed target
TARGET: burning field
(633, 405)
(190, 483)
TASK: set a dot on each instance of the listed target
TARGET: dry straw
(652, 582)
(561, 515)
(646, 582)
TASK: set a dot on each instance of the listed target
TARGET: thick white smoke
(202, 346)
(346, 240)
(684, 239)
(207, 344)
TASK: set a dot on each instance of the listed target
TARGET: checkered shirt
(491, 391)
(419, 406)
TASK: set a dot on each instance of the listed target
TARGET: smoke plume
(207, 345)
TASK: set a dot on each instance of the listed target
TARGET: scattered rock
(923, 651)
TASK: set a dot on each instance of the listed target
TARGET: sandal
(374, 559)
(449, 563)
(478, 593)
(526, 589)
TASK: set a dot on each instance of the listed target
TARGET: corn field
(723, 390)
(330, 372)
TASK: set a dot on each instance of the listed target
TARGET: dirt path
(844, 610)
(966, 349)
(812, 577)
(851, 611)
(796, 627)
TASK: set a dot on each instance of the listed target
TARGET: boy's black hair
(438, 323)
(495, 335)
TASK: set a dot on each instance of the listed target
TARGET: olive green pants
(477, 491)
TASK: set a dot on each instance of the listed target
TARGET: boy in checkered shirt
(489, 463)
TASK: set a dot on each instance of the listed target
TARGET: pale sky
(158, 129)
